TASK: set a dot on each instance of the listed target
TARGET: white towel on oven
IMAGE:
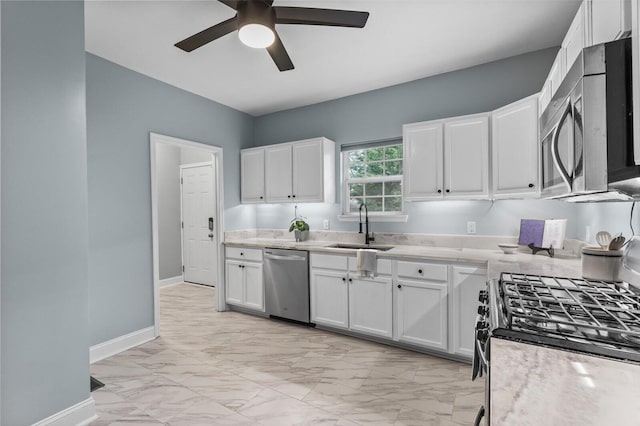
(366, 260)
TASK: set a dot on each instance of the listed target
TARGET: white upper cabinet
(279, 176)
(308, 161)
(252, 175)
(556, 74)
(300, 171)
(466, 157)
(610, 20)
(576, 38)
(514, 139)
(423, 160)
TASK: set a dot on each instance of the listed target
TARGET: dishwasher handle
(279, 257)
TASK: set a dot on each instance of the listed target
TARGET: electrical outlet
(325, 224)
(471, 227)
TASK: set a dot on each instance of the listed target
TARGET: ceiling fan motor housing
(256, 12)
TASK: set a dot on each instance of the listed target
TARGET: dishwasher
(286, 277)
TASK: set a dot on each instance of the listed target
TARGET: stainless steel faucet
(367, 238)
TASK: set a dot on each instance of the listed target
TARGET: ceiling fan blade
(329, 17)
(233, 4)
(208, 35)
(279, 55)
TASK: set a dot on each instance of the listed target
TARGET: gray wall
(123, 107)
(169, 247)
(45, 332)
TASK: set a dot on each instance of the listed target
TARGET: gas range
(581, 322)
(596, 317)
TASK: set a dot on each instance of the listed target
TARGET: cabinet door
(253, 286)
(308, 179)
(466, 284)
(252, 175)
(421, 313)
(279, 173)
(234, 279)
(575, 39)
(422, 144)
(557, 72)
(371, 305)
(329, 298)
(515, 149)
(466, 157)
(545, 97)
(610, 20)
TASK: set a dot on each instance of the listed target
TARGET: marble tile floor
(227, 368)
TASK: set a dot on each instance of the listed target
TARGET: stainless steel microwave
(586, 131)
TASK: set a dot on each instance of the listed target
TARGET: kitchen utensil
(617, 242)
(603, 238)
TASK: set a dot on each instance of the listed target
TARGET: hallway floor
(211, 368)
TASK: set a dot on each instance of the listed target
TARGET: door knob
(210, 235)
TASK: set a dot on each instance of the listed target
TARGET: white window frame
(396, 216)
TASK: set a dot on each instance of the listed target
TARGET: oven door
(481, 364)
(558, 154)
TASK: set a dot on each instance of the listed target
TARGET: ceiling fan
(255, 21)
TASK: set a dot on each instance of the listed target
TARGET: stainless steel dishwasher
(286, 277)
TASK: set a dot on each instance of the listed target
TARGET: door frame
(154, 140)
(182, 167)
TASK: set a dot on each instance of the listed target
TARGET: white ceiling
(403, 40)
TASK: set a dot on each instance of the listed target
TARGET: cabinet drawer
(422, 270)
(243, 253)
(329, 261)
(383, 267)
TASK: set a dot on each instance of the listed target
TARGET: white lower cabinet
(466, 283)
(244, 285)
(421, 313)
(329, 298)
(431, 305)
(371, 305)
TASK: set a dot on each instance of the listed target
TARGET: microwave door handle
(555, 153)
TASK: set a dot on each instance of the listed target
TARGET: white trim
(155, 139)
(190, 165)
(171, 281)
(80, 414)
(120, 344)
(374, 217)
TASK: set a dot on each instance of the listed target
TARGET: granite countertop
(495, 260)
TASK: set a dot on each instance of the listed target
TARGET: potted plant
(299, 226)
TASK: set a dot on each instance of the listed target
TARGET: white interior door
(199, 251)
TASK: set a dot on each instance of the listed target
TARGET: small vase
(301, 235)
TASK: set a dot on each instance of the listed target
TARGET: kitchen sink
(361, 246)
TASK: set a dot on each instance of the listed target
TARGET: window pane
(375, 170)
(393, 152)
(375, 154)
(393, 168)
(373, 189)
(393, 204)
(354, 204)
(356, 170)
(374, 204)
(356, 156)
(392, 188)
(356, 189)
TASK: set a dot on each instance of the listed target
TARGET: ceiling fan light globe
(256, 35)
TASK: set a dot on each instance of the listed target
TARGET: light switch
(325, 224)
(471, 227)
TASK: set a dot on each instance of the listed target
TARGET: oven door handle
(479, 416)
(568, 110)
(480, 350)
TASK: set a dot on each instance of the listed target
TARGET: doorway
(197, 196)
(187, 216)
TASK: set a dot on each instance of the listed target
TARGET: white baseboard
(171, 281)
(80, 414)
(120, 344)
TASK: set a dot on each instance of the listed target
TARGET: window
(373, 175)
